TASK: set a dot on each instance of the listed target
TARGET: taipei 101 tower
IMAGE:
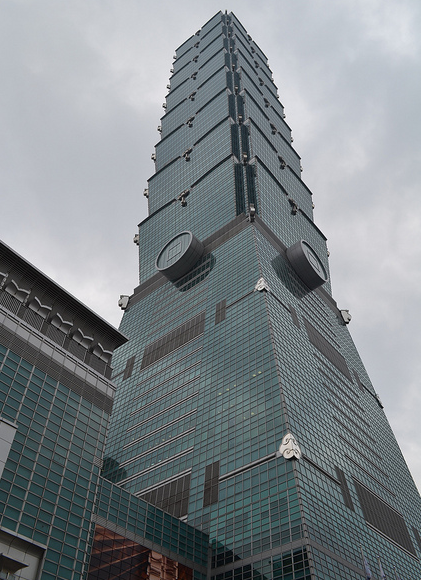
(243, 407)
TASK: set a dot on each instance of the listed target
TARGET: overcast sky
(82, 84)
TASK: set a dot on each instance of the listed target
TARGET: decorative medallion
(346, 317)
(261, 285)
(179, 255)
(289, 447)
(307, 264)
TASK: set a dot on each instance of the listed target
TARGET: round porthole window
(307, 264)
(179, 255)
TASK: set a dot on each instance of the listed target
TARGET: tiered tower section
(243, 405)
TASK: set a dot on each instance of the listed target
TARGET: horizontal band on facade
(55, 370)
(141, 409)
(370, 475)
(196, 350)
(217, 239)
(162, 482)
(248, 466)
(160, 429)
(171, 378)
(413, 556)
(320, 469)
(162, 412)
(290, 546)
(158, 465)
(159, 446)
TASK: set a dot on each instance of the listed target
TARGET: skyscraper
(243, 406)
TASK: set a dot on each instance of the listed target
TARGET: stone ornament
(289, 447)
(346, 317)
(261, 285)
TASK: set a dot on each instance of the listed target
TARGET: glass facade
(49, 481)
(135, 540)
(114, 556)
(248, 349)
(55, 402)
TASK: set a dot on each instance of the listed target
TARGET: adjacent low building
(56, 397)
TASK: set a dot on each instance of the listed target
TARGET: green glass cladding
(49, 482)
(224, 362)
(224, 143)
(55, 404)
(116, 507)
